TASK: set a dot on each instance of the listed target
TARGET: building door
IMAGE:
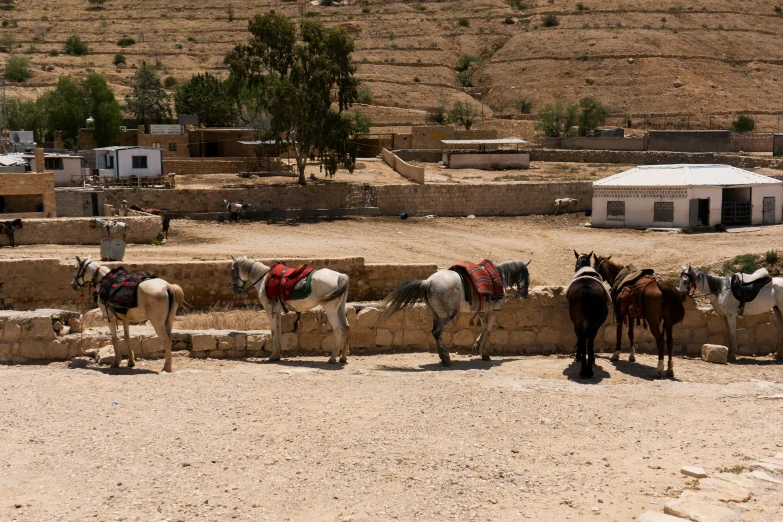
(768, 212)
(94, 202)
(693, 213)
(211, 149)
(704, 212)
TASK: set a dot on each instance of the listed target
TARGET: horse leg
(616, 354)
(731, 325)
(632, 356)
(131, 355)
(580, 349)
(438, 325)
(669, 347)
(11, 238)
(779, 316)
(485, 335)
(655, 330)
(586, 344)
(115, 340)
(163, 331)
(274, 325)
(339, 324)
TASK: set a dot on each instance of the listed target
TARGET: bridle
(598, 266)
(518, 294)
(82, 270)
(235, 277)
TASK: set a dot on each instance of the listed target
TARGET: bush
(191, 39)
(177, 46)
(508, 21)
(464, 79)
(581, 7)
(744, 263)
(591, 116)
(462, 114)
(466, 60)
(365, 10)
(119, 59)
(437, 114)
(556, 121)
(416, 79)
(364, 95)
(550, 20)
(17, 68)
(230, 13)
(54, 53)
(463, 22)
(169, 82)
(779, 10)
(771, 256)
(126, 42)
(519, 4)
(75, 47)
(743, 123)
(524, 105)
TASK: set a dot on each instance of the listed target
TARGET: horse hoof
(578, 358)
(343, 360)
(731, 358)
(632, 358)
(586, 375)
(614, 357)
(273, 359)
(485, 358)
(331, 360)
(670, 374)
(778, 357)
(658, 374)
(115, 365)
(131, 364)
(445, 362)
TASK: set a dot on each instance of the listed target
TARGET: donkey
(165, 217)
(444, 295)
(661, 306)
(235, 209)
(157, 303)
(9, 227)
(588, 307)
(329, 290)
(718, 291)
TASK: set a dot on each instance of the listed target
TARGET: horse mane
(714, 283)
(512, 272)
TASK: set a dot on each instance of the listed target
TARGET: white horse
(157, 302)
(718, 291)
(444, 295)
(329, 291)
(234, 209)
(563, 204)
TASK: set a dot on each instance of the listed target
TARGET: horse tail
(672, 302)
(176, 299)
(406, 294)
(594, 310)
(342, 288)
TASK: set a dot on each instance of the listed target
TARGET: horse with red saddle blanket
(299, 289)
(642, 295)
(468, 287)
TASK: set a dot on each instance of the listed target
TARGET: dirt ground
(548, 240)
(386, 437)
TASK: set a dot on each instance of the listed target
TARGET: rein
(693, 276)
(242, 289)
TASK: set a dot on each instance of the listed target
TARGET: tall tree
(207, 97)
(148, 101)
(26, 115)
(99, 103)
(63, 109)
(293, 75)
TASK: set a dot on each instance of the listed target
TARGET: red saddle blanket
(629, 300)
(119, 289)
(484, 276)
(282, 280)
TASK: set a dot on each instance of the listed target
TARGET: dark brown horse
(9, 227)
(588, 307)
(156, 212)
(661, 307)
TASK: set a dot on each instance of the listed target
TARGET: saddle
(629, 299)
(482, 277)
(284, 284)
(119, 290)
(628, 276)
(746, 287)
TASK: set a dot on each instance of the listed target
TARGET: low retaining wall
(205, 283)
(77, 231)
(751, 142)
(403, 169)
(653, 158)
(487, 160)
(593, 143)
(537, 326)
(207, 165)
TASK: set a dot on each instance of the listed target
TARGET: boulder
(723, 490)
(714, 353)
(678, 84)
(106, 355)
(79, 362)
(697, 508)
(630, 60)
(693, 471)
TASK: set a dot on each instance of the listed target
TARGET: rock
(202, 343)
(714, 353)
(383, 337)
(724, 491)
(93, 318)
(92, 352)
(367, 317)
(768, 467)
(630, 60)
(654, 516)
(694, 507)
(65, 330)
(589, 81)
(79, 362)
(763, 476)
(678, 84)
(106, 355)
(471, 216)
(693, 471)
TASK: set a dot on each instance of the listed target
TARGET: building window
(139, 162)
(53, 163)
(172, 147)
(155, 145)
(663, 211)
(615, 209)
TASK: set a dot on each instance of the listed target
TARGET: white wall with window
(141, 162)
(67, 169)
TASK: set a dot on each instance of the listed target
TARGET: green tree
(63, 109)
(524, 105)
(17, 68)
(591, 116)
(437, 114)
(147, 102)
(293, 75)
(208, 98)
(100, 104)
(462, 114)
(743, 123)
(555, 120)
(75, 47)
(26, 115)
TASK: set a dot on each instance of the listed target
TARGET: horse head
(82, 265)
(582, 260)
(688, 282)
(16, 224)
(237, 281)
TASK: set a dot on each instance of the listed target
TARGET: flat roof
(496, 141)
(685, 176)
(118, 147)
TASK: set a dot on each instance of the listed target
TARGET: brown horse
(661, 306)
(588, 307)
(166, 218)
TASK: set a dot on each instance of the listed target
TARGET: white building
(126, 162)
(686, 196)
(67, 168)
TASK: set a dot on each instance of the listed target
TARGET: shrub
(524, 105)
(364, 95)
(365, 10)
(177, 46)
(550, 20)
(519, 4)
(581, 7)
(169, 82)
(17, 68)
(466, 60)
(591, 116)
(771, 256)
(555, 121)
(437, 114)
(5, 23)
(191, 39)
(421, 7)
(779, 10)
(7, 42)
(75, 47)
(745, 263)
(126, 42)
(230, 13)
(462, 114)
(119, 59)
(508, 21)
(54, 53)
(463, 22)
(416, 79)
(464, 79)
(743, 123)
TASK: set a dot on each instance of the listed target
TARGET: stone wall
(77, 231)
(777, 145)
(689, 141)
(205, 283)
(40, 184)
(592, 143)
(537, 326)
(653, 158)
(185, 167)
(79, 203)
(403, 169)
(751, 142)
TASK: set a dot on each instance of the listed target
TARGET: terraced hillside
(701, 57)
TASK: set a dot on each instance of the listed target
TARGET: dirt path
(548, 240)
(391, 437)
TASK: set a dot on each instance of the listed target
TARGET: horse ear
(610, 257)
(576, 255)
(234, 258)
(589, 255)
(531, 260)
(78, 261)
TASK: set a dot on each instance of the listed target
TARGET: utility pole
(4, 114)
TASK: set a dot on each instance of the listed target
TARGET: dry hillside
(728, 55)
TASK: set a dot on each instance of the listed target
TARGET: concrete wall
(536, 326)
(72, 166)
(181, 143)
(650, 158)
(486, 161)
(751, 142)
(430, 136)
(402, 168)
(30, 184)
(689, 141)
(228, 145)
(77, 231)
(580, 143)
(78, 203)
(777, 147)
(209, 165)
